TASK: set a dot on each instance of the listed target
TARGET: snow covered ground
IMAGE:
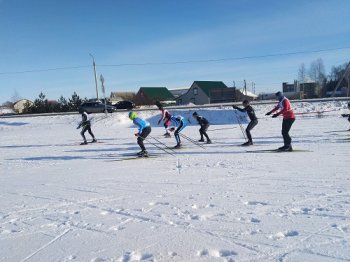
(60, 201)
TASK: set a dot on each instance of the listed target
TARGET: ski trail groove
(46, 245)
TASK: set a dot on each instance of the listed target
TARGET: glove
(158, 122)
(172, 129)
(268, 113)
(275, 115)
(136, 134)
(344, 115)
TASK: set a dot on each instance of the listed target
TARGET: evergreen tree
(62, 105)
(74, 102)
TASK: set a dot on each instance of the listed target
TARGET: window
(195, 91)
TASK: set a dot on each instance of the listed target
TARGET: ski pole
(160, 142)
(221, 128)
(163, 149)
(104, 117)
(240, 125)
(192, 141)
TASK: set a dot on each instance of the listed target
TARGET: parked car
(124, 105)
(96, 107)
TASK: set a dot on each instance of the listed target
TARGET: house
(207, 92)
(178, 91)
(149, 96)
(19, 106)
(299, 90)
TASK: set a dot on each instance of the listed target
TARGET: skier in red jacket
(288, 119)
(165, 117)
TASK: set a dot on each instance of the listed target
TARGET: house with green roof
(207, 92)
(149, 96)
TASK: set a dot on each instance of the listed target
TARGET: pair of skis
(277, 151)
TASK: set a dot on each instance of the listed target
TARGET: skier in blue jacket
(144, 130)
(179, 123)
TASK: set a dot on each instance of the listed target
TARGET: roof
(247, 93)
(206, 86)
(178, 92)
(157, 93)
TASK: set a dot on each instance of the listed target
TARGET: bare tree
(317, 71)
(302, 73)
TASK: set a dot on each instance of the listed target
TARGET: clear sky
(45, 44)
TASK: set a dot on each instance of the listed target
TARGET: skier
(253, 120)
(179, 123)
(204, 123)
(347, 115)
(288, 119)
(86, 124)
(144, 131)
(165, 117)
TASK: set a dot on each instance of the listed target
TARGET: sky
(45, 46)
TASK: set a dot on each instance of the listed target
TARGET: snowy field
(60, 201)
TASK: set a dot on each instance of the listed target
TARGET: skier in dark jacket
(204, 123)
(347, 115)
(86, 124)
(253, 120)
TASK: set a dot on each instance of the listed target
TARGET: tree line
(317, 73)
(43, 105)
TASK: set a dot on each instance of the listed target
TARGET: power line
(42, 70)
(225, 59)
(178, 62)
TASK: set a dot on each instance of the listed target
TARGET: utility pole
(347, 70)
(103, 91)
(94, 65)
(349, 84)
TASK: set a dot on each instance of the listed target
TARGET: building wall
(310, 90)
(222, 95)
(290, 87)
(198, 98)
(142, 99)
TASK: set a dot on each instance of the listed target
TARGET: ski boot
(177, 146)
(201, 140)
(94, 140)
(248, 143)
(84, 143)
(142, 153)
(167, 135)
(209, 141)
(285, 148)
